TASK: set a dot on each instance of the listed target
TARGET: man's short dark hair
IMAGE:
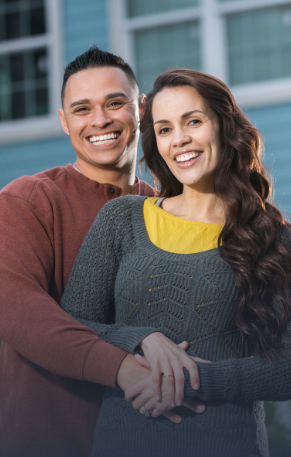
(96, 58)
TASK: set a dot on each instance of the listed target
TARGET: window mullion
(213, 43)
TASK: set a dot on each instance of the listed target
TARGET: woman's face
(187, 134)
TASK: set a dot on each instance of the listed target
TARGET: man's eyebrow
(117, 94)
(85, 101)
(183, 116)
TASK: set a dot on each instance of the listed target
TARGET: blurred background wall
(246, 43)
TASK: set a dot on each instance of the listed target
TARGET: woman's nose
(181, 138)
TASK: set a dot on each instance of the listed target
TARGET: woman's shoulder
(122, 205)
(117, 213)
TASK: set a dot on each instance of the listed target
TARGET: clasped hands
(157, 387)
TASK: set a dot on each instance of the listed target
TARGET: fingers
(183, 345)
(194, 374)
(142, 361)
(194, 406)
(168, 381)
(197, 359)
(156, 380)
(173, 417)
(179, 380)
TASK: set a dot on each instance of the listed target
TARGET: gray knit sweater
(125, 288)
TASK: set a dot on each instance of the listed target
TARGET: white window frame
(212, 16)
(47, 125)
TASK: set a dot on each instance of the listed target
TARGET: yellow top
(180, 236)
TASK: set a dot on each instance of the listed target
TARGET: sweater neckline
(144, 242)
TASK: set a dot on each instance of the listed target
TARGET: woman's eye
(194, 121)
(163, 131)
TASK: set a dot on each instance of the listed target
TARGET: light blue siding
(275, 124)
(84, 24)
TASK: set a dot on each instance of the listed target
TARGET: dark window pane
(18, 105)
(12, 26)
(37, 4)
(37, 21)
(17, 67)
(41, 102)
(2, 27)
(40, 64)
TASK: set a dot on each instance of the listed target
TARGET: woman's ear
(142, 104)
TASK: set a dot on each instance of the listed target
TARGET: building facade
(246, 43)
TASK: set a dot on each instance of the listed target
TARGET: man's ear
(142, 104)
(63, 121)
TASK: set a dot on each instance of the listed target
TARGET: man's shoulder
(26, 186)
(146, 189)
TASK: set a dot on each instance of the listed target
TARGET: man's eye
(81, 109)
(115, 104)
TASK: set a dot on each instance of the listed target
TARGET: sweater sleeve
(245, 379)
(89, 295)
(32, 322)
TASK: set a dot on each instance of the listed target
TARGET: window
(30, 68)
(246, 43)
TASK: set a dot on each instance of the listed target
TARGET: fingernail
(177, 419)
(200, 408)
(138, 356)
(158, 397)
(179, 402)
(196, 386)
(172, 403)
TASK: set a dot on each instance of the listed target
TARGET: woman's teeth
(102, 139)
(185, 157)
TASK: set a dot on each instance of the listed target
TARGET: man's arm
(31, 321)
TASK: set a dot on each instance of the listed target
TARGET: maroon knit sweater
(49, 363)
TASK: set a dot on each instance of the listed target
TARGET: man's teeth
(102, 139)
(185, 157)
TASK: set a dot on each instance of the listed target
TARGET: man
(49, 364)
(51, 367)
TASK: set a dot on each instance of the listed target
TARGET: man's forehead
(99, 83)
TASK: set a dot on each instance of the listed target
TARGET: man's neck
(123, 178)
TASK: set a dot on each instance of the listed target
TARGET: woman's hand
(168, 359)
(142, 398)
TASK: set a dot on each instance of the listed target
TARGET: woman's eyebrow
(183, 116)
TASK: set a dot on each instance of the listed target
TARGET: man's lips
(107, 138)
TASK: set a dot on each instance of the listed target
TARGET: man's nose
(100, 118)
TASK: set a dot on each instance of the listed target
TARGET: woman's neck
(196, 206)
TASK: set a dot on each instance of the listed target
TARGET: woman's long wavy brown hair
(251, 237)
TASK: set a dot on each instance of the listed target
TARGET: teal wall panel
(84, 24)
(274, 123)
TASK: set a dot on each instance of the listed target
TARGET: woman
(208, 264)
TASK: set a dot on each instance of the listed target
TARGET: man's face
(100, 113)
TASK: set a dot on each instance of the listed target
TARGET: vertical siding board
(274, 122)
